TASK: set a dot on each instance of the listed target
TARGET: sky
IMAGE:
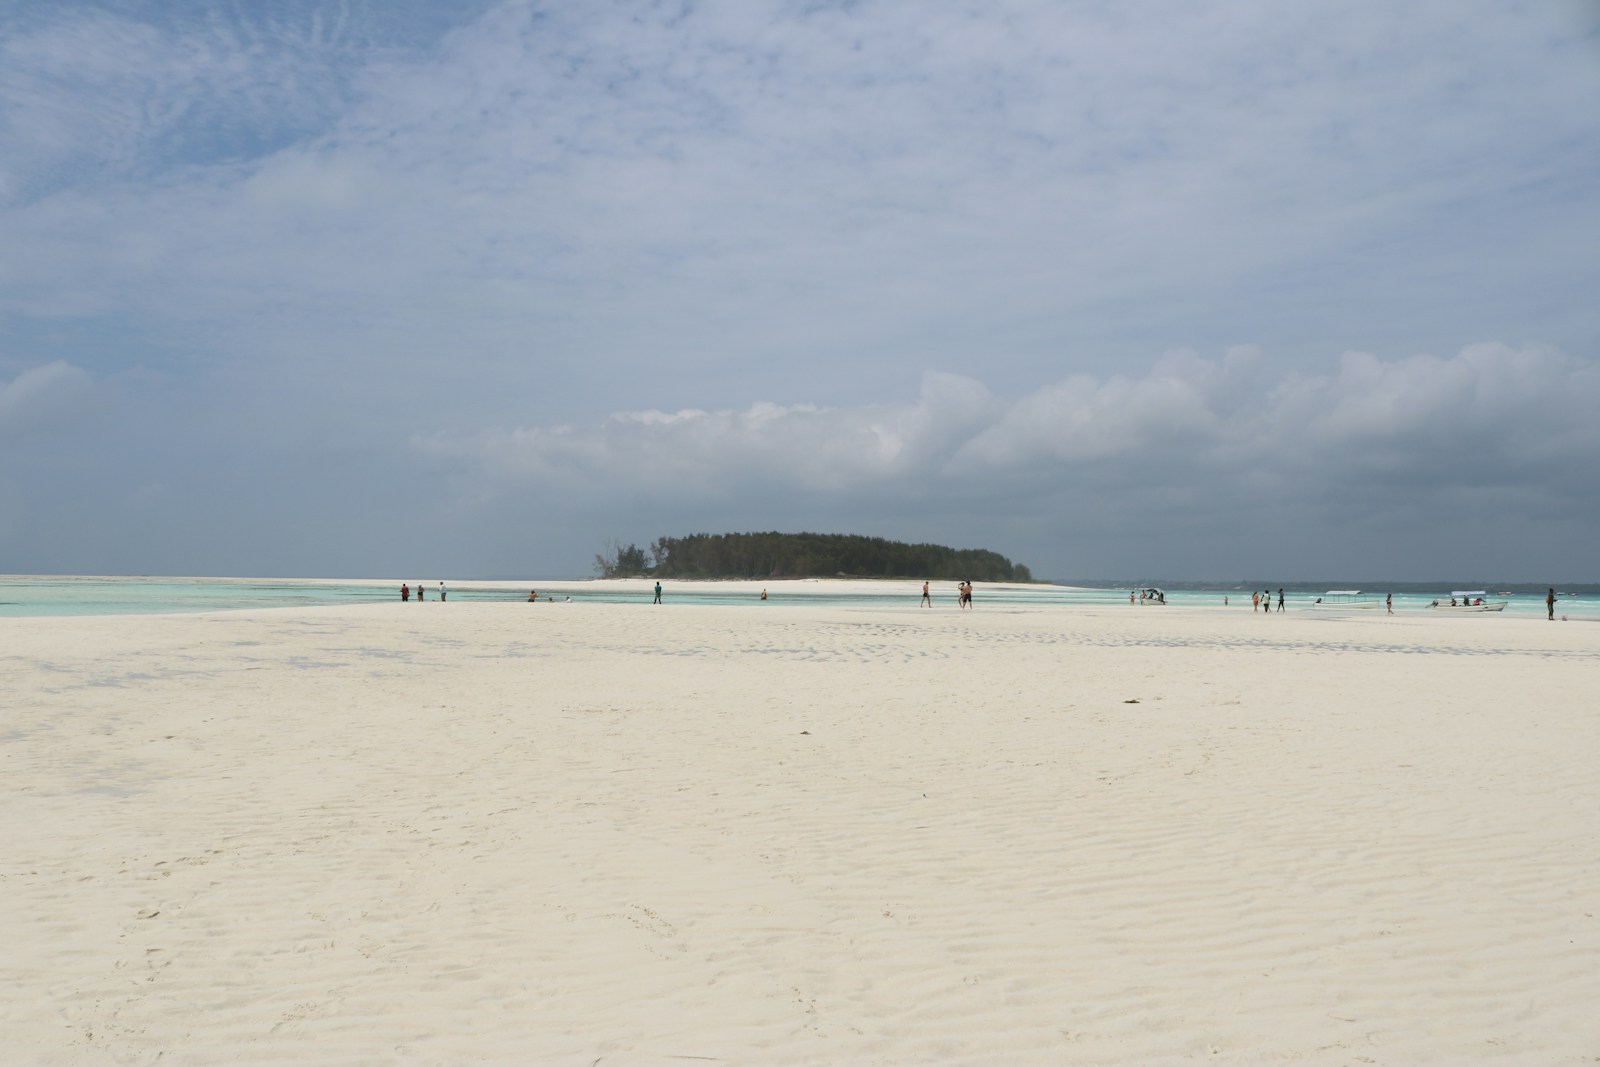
(466, 288)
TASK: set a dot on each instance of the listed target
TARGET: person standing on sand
(657, 600)
(1550, 603)
(1255, 600)
(1388, 603)
(1280, 600)
(405, 592)
(420, 596)
(441, 592)
(927, 601)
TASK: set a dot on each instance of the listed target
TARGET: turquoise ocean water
(34, 596)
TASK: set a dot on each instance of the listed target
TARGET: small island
(803, 555)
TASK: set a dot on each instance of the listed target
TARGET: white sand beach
(620, 834)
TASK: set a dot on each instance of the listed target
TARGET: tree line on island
(803, 555)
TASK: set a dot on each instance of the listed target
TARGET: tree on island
(619, 562)
(803, 555)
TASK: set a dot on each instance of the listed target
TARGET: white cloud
(800, 447)
(41, 395)
(1480, 418)
(856, 187)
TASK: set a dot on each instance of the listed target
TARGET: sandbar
(627, 834)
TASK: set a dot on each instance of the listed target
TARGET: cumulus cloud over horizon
(41, 394)
(1482, 419)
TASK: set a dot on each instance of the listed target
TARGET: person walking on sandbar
(657, 600)
(1550, 603)
(927, 601)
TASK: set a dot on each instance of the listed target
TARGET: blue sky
(1236, 291)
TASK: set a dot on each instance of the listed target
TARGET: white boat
(1347, 598)
(1469, 600)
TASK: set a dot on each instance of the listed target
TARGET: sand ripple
(606, 834)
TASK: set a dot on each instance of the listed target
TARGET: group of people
(1262, 601)
(963, 595)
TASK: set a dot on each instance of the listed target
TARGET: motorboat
(1469, 600)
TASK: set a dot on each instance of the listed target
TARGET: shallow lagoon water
(34, 596)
